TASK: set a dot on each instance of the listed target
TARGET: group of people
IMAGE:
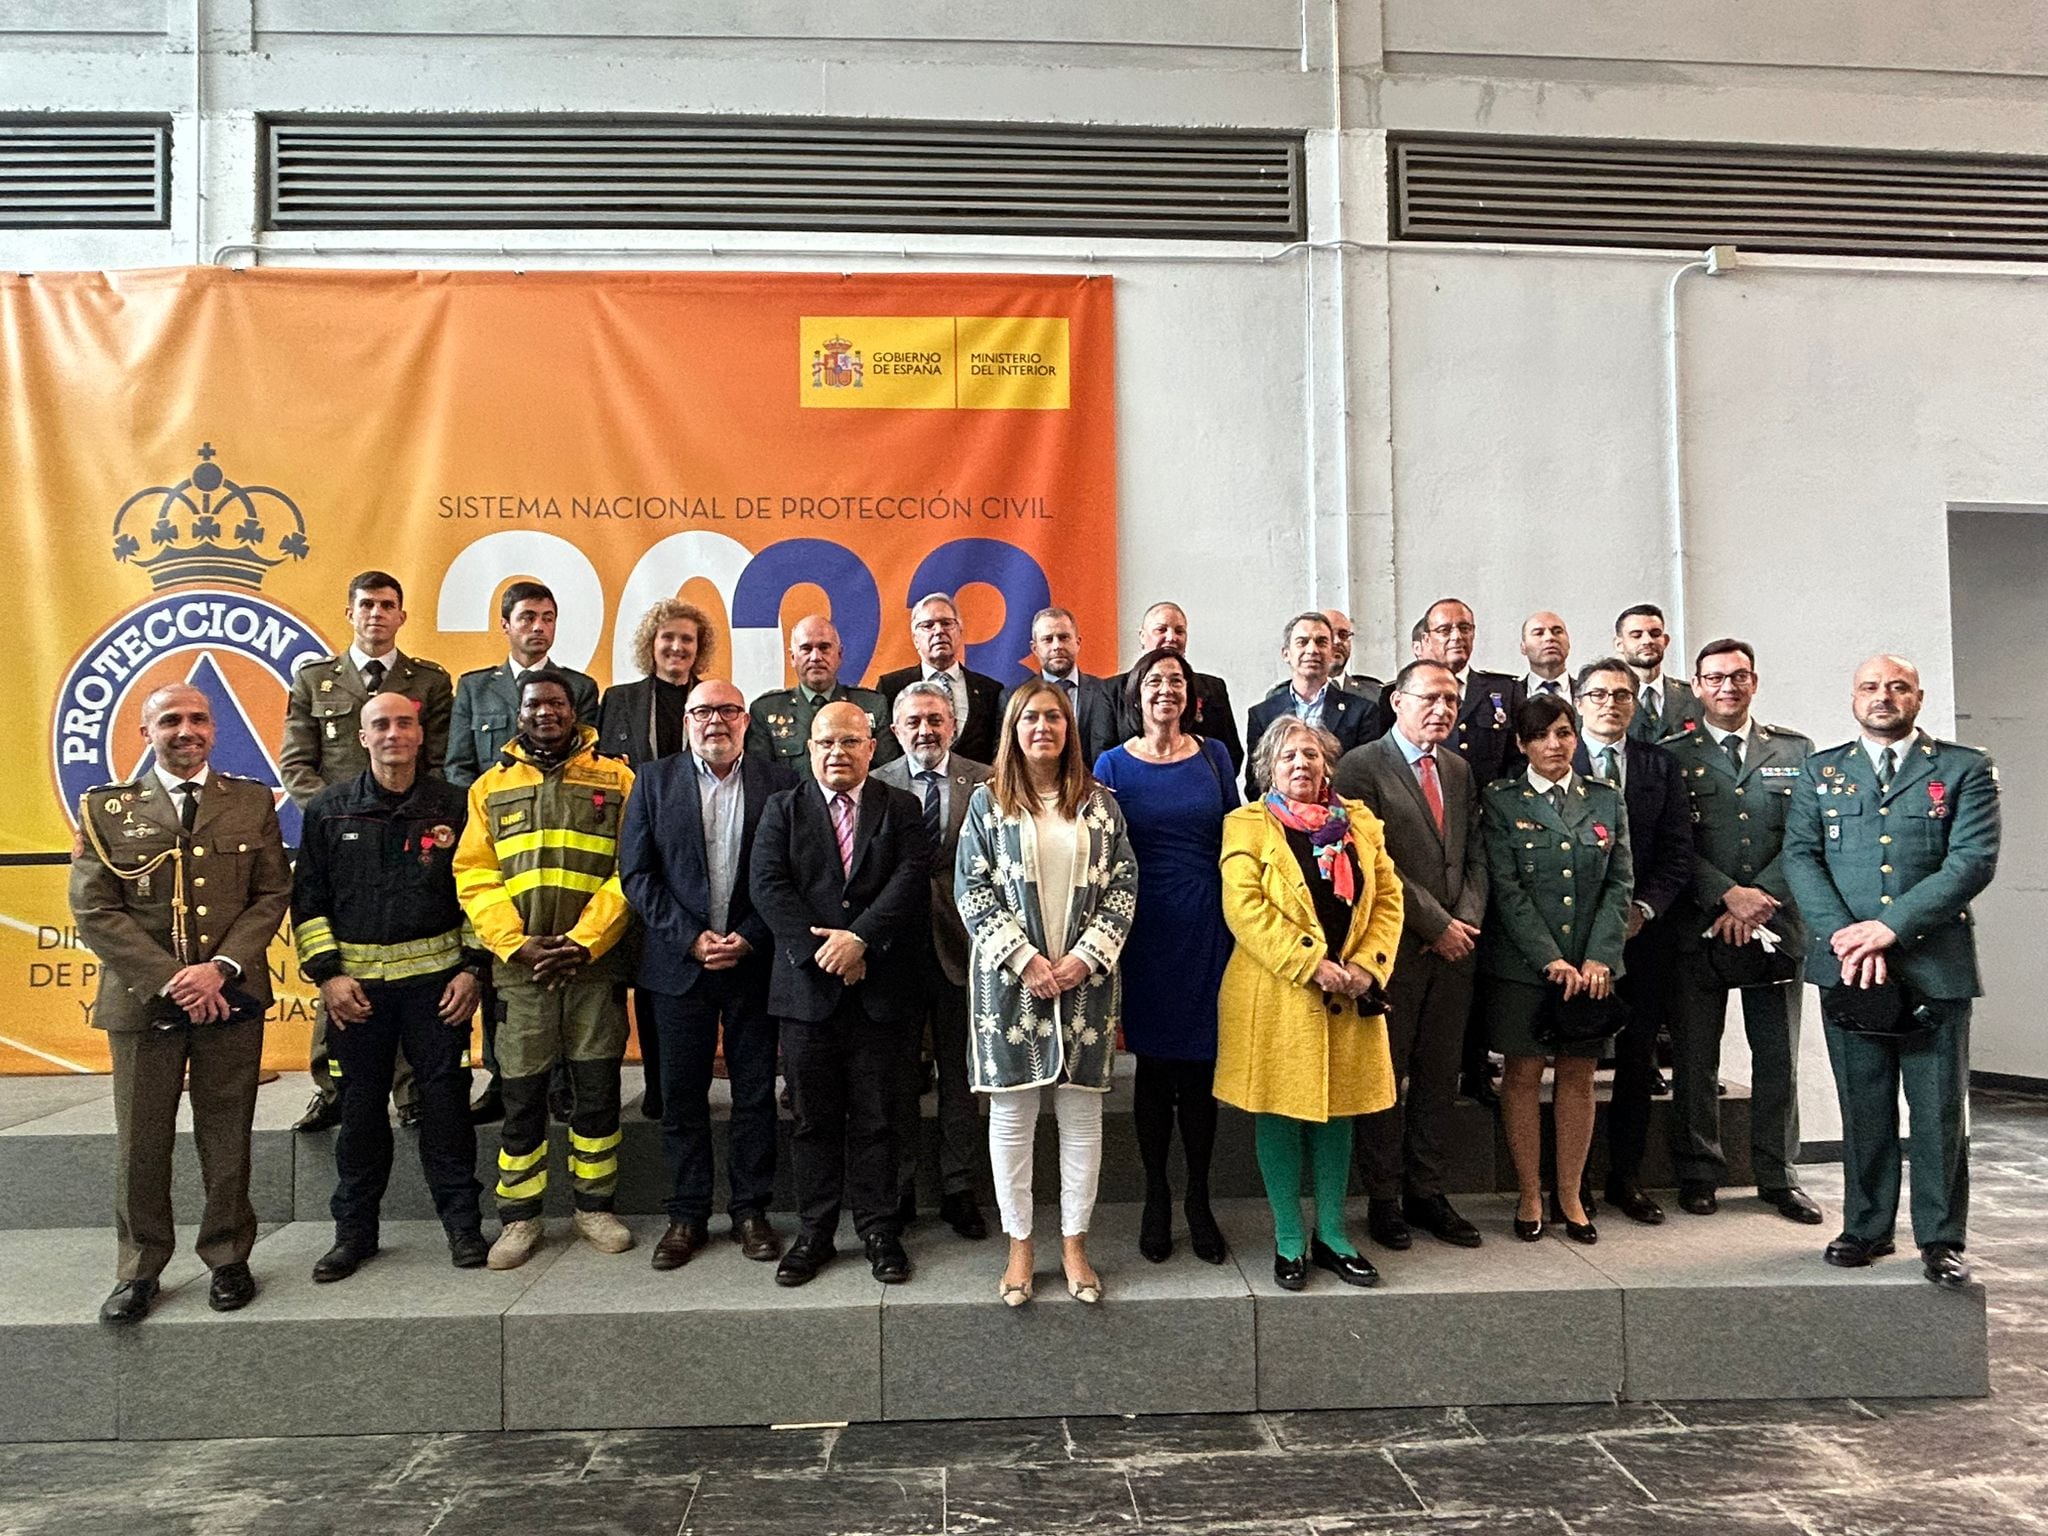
(1419, 874)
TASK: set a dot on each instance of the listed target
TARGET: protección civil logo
(207, 543)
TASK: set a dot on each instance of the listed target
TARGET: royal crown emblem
(186, 523)
(837, 365)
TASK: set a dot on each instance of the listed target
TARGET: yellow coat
(1282, 1047)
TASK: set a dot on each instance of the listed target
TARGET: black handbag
(1888, 1008)
(1579, 1022)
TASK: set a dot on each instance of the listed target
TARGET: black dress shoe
(1436, 1216)
(409, 1116)
(128, 1302)
(487, 1107)
(650, 1106)
(1698, 1199)
(1794, 1204)
(322, 1111)
(806, 1256)
(963, 1215)
(348, 1255)
(467, 1249)
(1659, 1084)
(1155, 1226)
(1351, 1268)
(886, 1258)
(1577, 1231)
(1478, 1087)
(1529, 1231)
(1291, 1274)
(1847, 1252)
(1204, 1236)
(1385, 1225)
(756, 1238)
(231, 1289)
(679, 1244)
(1943, 1264)
(1630, 1200)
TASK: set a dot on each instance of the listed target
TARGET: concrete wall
(1389, 424)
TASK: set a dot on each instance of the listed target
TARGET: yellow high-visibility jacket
(540, 853)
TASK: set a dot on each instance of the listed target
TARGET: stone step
(57, 1155)
(1736, 1306)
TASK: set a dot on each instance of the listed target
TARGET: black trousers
(1647, 985)
(403, 1015)
(1405, 1149)
(688, 1027)
(963, 1144)
(843, 1073)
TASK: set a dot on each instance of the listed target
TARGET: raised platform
(57, 1154)
(1734, 1306)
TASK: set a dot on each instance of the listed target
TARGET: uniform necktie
(188, 813)
(1609, 766)
(930, 779)
(1432, 789)
(1886, 767)
(1732, 745)
(1556, 793)
(1549, 687)
(373, 675)
(1653, 704)
(842, 828)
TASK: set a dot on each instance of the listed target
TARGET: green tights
(1280, 1147)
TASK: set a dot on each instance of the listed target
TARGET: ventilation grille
(1565, 192)
(84, 175)
(893, 178)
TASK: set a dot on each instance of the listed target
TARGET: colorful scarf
(1328, 826)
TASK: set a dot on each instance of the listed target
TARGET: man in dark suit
(486, 717)
(183, 943)
(1660, 844)
(1664, 705)
(943, 782)
(1165, 628)
(1425, 797)
(1343, 635)
(1056, 643)
(704, 965)
(841, 870)
(1308, 694)
(936, 631)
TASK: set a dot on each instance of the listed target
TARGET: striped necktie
(842, 828)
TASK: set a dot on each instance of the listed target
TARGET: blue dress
(1173, 962)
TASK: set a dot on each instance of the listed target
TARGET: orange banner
(198, 460)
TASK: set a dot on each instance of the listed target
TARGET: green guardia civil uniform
(1559, 880)
(1912, 855)
(1738, 827)
(780, 725)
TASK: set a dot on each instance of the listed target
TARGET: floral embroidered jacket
(1018, 1041)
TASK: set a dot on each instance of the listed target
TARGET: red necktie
(1432, 791)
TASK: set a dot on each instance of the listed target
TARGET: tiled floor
(1826, 1468)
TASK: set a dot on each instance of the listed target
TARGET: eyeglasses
(1433, 700)
(1446, 630)
(703, 714)
(1742, 679)
(841, 743)
(1607, 695)
(928, 626)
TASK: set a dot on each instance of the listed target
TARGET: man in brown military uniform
(178, 882)
(323, 746)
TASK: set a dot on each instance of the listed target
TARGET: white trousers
(1012, 1124)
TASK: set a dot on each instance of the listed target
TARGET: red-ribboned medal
(1600, 831)
(1937, 798)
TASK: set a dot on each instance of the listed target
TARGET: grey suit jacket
(1443, 875)
(949, 934)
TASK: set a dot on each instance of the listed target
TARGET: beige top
(1058, 850)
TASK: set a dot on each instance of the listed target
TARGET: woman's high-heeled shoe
(1087, 1292)
(1155, 1226)
(1204, 1236)
(1013, 1295)
(1529, 1231)
(1577, 1231)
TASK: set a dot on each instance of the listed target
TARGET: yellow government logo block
(933, 362)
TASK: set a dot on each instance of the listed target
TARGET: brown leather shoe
(756, 1237)
(679, 1244)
